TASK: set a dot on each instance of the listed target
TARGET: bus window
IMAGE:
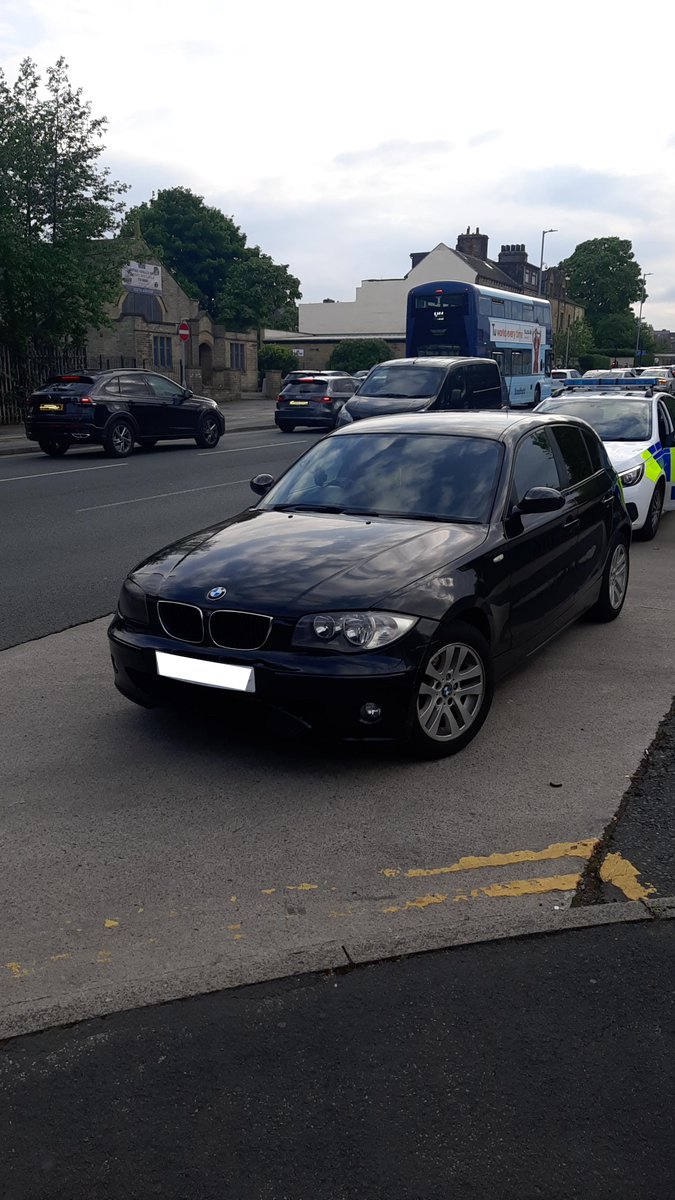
(528, 312)
(498, 356)
(485, 306)
(540, 314)
(498, 308)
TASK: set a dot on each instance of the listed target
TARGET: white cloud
(344, 135)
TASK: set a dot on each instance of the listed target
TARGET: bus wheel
(537, 394)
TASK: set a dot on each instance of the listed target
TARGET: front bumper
(638, 498)
(325, 693)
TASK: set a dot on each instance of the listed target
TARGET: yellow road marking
(618, 870)
(514, 887)
(474, 862)
(302, 887)
(268, 891)
(110, 923)
(234, 927)
(104, 957)
(59, 957)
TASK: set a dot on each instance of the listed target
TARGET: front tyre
(54, 447)
(119, 440)
(614, 583)
(209, 433)
(452, 694)
(653, 519)
(537, 394)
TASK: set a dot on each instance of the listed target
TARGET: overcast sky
(343, 136)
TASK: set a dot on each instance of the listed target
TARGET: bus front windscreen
(439, 326)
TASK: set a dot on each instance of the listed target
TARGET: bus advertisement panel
(450, 318)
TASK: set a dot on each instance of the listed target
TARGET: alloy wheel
(618, 575)
(452, 691)
(122, 440)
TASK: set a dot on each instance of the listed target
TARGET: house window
(138, 304)
(238, 356)
(162, 354)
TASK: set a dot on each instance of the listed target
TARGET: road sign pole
(184, 335)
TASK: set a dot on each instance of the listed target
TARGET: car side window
(485, 384)
(110, 387)
(534, 466)
(574, 454)
(132, 385)
(163, 388)
(594, 447)
(347, 385)
(453, 392)
(665, 427)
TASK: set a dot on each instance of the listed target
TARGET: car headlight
(345, 417)
(351, 631)
(132, 604)
(630, 478)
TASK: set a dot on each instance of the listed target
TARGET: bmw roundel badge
(216, 593)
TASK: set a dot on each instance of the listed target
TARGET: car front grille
(239, 630)
(181, 621)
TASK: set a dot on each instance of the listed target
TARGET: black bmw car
(381, 584)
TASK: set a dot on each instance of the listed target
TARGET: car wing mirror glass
(261, 484)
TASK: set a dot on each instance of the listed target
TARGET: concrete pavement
(254, 411)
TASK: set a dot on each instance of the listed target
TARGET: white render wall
(379, 307)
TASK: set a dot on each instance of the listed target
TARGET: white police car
(637, 426)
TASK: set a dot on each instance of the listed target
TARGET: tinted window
(110, 387)
(450, 478)
(309, 387)
(132, 385)
(159, 386)
(574, 453)
(483, 377)
(594, 448)
(534, 466)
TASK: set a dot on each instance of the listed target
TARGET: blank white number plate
(209, 674)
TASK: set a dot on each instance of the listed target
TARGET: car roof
(575, 397)
(505, 425)
(439, 361)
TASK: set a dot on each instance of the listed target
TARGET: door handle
(571, 523)
(608, 499)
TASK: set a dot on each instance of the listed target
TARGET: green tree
(616, 332)
(58, 267)
(208, 255)
(198, 243)
(604, 276)
(359, 354)
(257, 292)
(278, 358)
(570, 343)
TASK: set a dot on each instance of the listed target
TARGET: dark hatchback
(116, 409)
(377, 588)
(314, 399)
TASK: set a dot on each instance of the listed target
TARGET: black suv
(315, 399)
(115, 409)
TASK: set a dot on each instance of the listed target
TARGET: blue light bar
(608, 381)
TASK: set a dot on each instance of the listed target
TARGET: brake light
(279, 398)
(86, 400)
(325, 400)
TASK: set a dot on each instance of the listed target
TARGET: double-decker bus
(450, 318)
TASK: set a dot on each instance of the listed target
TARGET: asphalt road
(73, 527)
(536, 1068)
(155, 855)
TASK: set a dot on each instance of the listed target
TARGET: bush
(359, 354)
(594, 362)
(278, 358)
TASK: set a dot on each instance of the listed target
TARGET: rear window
(311, 387)
(67, 383)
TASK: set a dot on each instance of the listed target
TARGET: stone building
(144, 333)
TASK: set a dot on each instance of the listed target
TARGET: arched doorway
(206, 362)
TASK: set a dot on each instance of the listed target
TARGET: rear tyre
(54, 447)
(452, 694)
(209, 433)
(614, 583)
(537, 394)
(119, 440)
(651, 525)
(286, 426)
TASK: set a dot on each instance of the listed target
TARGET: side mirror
(261, 484)
(187, 394)
(541, 500)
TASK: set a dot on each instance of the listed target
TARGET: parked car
(116, 409)
(638, 432)
(293, 376)
(428, 385)
(359, 375)
(611, 373)
(664, 377)
(563, 373)
(382, 583)
(315, 399)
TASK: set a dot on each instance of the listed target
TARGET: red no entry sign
(184, 331)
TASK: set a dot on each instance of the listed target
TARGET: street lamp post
(643, 297)
(541, 259)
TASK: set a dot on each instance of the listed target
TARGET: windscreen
(447, 478)
(613, 420)
(439, 325)
(410, 382)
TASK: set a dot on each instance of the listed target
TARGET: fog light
(370, 711)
